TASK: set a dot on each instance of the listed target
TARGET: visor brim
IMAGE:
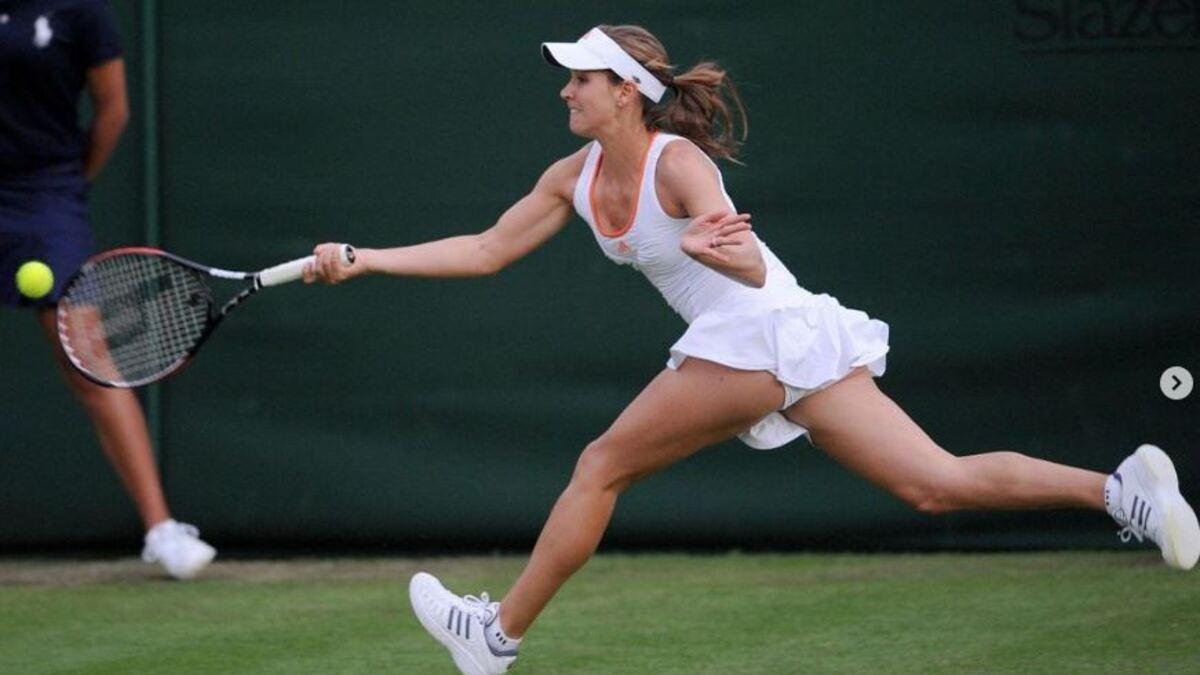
(572, 56)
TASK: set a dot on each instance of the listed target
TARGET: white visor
(597, 51)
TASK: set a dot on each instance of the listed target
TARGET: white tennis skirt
(807, 346)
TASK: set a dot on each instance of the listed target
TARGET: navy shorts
(43, 217)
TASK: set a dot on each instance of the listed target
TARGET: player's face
(591, 100)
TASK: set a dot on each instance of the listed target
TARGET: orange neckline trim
(637, 196)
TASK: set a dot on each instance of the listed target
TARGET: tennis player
(762, 358)
(50, 51)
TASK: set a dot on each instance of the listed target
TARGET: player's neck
(624, 150)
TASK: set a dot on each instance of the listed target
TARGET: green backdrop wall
(1012, 186)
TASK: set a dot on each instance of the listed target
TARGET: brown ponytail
(701, 103)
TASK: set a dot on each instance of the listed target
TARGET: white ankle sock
(497, 640)
(1112, 495)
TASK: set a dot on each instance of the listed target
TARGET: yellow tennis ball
(34, 279)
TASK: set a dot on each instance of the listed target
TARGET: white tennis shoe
(462, 625)
(178, 548)
(1149, 505)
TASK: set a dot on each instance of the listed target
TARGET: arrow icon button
(1176, 383)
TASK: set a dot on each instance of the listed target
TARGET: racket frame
(279, 274)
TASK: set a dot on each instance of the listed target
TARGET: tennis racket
(132, 316)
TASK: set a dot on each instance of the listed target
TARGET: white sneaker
(178, 548)
(461, 625)
(1150, 506)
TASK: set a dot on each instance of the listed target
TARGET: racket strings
(132, 317)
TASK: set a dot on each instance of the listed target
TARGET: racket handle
(292, 270)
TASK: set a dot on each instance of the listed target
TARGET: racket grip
(292, 270)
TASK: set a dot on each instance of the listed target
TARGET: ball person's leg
(678, 413)
(121, 427)
(865, 431)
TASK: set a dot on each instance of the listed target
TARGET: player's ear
(628, 93)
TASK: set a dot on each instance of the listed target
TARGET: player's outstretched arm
(526, 225)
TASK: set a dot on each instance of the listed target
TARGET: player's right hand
(328, 266)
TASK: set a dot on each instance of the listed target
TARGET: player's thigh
(683, 410)
(861, 428)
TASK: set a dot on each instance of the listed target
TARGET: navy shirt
(46, 49)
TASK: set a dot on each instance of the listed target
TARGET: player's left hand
(715, 236)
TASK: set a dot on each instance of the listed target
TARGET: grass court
(647, 613)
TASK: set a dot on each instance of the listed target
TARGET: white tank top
(649, 242)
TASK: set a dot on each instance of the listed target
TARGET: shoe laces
(1131, 529)
(481, 606)
(1128, 532)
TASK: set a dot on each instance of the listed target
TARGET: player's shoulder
(681, 160)
(561, 176)
(572, 163)
(682, 152)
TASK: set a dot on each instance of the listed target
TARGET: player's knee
(929, 502)
(937, 492)
(600, 466)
